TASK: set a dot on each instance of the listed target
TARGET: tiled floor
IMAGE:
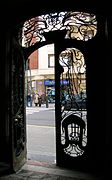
(43, 171)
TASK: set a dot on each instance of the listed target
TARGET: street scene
(41, 133)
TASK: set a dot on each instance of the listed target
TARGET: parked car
(76, 102)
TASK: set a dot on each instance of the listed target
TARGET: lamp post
(30, 89)
(46, 95)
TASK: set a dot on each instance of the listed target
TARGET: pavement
(43, 106)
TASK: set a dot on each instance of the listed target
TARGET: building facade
(40, 74)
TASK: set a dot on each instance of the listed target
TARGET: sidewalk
(50, 106)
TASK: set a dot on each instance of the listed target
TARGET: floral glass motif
(79, 25)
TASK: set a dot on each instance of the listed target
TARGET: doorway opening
(40, 112)
(73, 79)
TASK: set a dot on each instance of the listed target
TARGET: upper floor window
(51, 63)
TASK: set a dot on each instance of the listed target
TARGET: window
(50, 60)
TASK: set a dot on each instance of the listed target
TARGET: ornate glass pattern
(79, 25)
(73, 102)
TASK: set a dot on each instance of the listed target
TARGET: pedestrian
(28, 100)
(39, 101)
(36, 99)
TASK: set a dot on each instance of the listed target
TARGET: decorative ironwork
(18, 102)
(79, 25)
(73, 135)
(74, 72)
(73, 102)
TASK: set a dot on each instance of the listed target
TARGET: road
(40, 116)
(41, 134)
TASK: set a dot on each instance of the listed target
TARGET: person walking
(39, 101)
(36, 99)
